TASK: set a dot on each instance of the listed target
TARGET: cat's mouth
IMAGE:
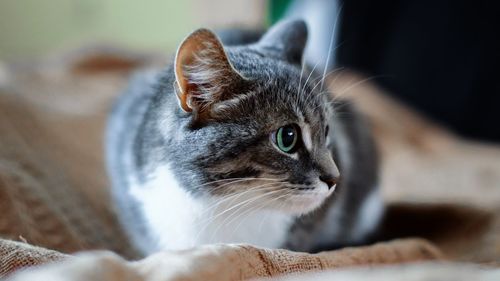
(302, 200)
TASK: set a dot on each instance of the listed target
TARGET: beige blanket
(53, 188)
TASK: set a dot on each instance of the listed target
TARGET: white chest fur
(179, 221)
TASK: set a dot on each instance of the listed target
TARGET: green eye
(286, 138)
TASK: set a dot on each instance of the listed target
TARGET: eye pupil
(286, 138)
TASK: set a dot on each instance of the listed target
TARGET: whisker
(302, 67)
(256, 208)
(339, 95)
(241, 206)
(239, 194)
(244, 202)
(310, 94)
(346, 90)
(234, 180)
(233, 197)
(332, 38)
(251, 211)
(308, 77)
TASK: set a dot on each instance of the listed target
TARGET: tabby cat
(241, 144)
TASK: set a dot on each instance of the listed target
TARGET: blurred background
(29, 28)
(441, 58)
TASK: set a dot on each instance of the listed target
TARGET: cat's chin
(303, 203)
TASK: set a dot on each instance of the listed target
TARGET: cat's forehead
(280, 89)
(285, 100)
(306, 104)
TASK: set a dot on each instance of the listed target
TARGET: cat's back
(126, 115)
(123, 126)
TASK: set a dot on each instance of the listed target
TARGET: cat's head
(253, 124)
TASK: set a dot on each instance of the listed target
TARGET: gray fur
(148, 128)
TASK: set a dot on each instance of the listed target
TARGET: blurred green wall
(33, 27)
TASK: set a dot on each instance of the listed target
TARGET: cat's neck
(179, 220)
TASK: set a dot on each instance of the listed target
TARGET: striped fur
(179, 184)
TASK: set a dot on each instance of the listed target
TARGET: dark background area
(440, 57)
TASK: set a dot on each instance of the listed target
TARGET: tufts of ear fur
(203, 73)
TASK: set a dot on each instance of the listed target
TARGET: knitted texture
(15, 255)
(224, 262)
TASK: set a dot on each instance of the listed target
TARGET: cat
(239, 144)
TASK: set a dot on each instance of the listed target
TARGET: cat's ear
(203, 72)
(286, 39)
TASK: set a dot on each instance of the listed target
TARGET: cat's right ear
(286, 39)
(204, 76)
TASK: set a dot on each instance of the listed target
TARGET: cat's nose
(329, 180)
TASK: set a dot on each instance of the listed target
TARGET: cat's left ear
(286, 40)
(203, 73)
